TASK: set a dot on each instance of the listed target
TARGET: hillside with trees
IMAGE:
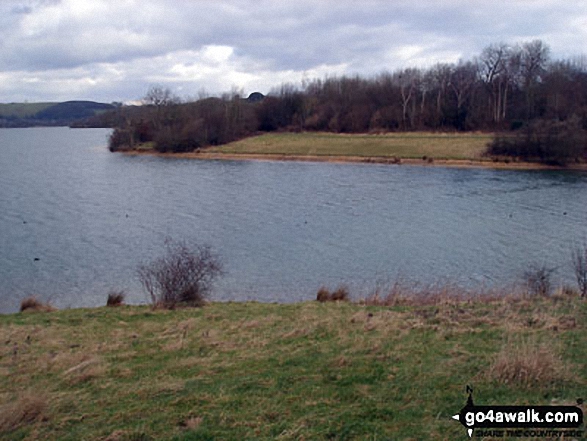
(69, 113)
(537, 105)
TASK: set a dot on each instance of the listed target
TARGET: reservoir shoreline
(451, 163)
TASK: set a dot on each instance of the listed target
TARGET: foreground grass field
(400, 145)
(309, 371)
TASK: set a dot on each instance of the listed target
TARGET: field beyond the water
(401, 145)
(307, 371)
(412, 148)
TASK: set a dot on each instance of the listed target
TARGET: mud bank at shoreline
(428, 162)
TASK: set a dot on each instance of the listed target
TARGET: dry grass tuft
(31, 303)
(340, 295)
(528, 364)
(191, 423)
(117, 435)
(28, 409)
(566, 322)
(115, 298)
(341, 361)
(414, 294)
(566, 292)
(323, 294)
(88, 369)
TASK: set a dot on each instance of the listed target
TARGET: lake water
(77, 220)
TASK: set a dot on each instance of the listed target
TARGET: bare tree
(533, 63)
(493, 68)
(159, 96)
(462, 81)
(560, 94)
(408, 81)
(534, 59)
(441, 79)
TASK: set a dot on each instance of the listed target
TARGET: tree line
(506, 88)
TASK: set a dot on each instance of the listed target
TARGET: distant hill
(50, 114)
(22, 110)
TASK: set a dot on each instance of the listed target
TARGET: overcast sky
(114, 50)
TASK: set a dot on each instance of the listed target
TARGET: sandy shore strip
(429, 162)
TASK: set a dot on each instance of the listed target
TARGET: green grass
(23, 110)
(249, 371)
(402, 145)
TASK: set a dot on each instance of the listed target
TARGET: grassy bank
(415, 148)
(389, 145)
(308, 371)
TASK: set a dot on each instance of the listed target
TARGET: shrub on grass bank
(115, 298)
(538, 280)
(31, 303)
(182, 277)
(340, 295)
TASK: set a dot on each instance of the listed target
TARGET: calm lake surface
(91, 217)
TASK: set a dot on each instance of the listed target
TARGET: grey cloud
(21, 9)
(285, 36)
(267, 36)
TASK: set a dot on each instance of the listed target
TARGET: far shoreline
(429, 149)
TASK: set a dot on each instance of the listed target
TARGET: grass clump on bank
(28, 409)
(115, 298)
(528, 363)
(32, 303)
(333, 370)
(341, 294)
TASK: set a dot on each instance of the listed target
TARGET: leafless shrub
(115, 298)
(25, 410)
(183, 276)
(538, 280)
(580, 267)
(32, 303)
(528, 364)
